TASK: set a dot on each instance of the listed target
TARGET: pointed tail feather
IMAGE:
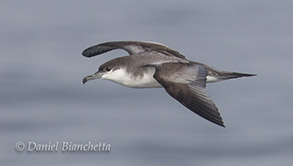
(229, 75)
(217, 75)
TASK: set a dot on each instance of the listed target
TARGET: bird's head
(110, 70)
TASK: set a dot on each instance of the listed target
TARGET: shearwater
(153, 65)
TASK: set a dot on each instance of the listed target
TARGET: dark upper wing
(186, 83)
(132, 47)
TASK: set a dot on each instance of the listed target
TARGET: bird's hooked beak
(91, 77)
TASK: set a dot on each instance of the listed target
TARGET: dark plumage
(155, 65)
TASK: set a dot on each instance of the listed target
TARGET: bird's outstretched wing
(186, 83)
(132, 47)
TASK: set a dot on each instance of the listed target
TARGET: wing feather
(132, 47)
(187, 85)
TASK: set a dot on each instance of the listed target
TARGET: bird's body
(138, 71)
(153, 65)
(144, 80)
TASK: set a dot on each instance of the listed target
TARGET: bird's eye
(108, 69)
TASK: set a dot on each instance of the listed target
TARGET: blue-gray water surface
(42, 99)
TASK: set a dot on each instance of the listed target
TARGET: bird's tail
(217, 75)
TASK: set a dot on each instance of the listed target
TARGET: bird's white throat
(121, 76)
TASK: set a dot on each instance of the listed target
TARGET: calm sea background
(43, 100)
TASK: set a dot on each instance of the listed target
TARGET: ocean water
(42, 99)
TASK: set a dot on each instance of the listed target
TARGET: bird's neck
(127, 78)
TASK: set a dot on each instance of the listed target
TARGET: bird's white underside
(212, 79)
(121, 76)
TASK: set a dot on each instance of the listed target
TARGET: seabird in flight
(153, 65)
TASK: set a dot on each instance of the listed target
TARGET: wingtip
(219, 123)
(222, 125)
(86, 53)
(83, 53)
